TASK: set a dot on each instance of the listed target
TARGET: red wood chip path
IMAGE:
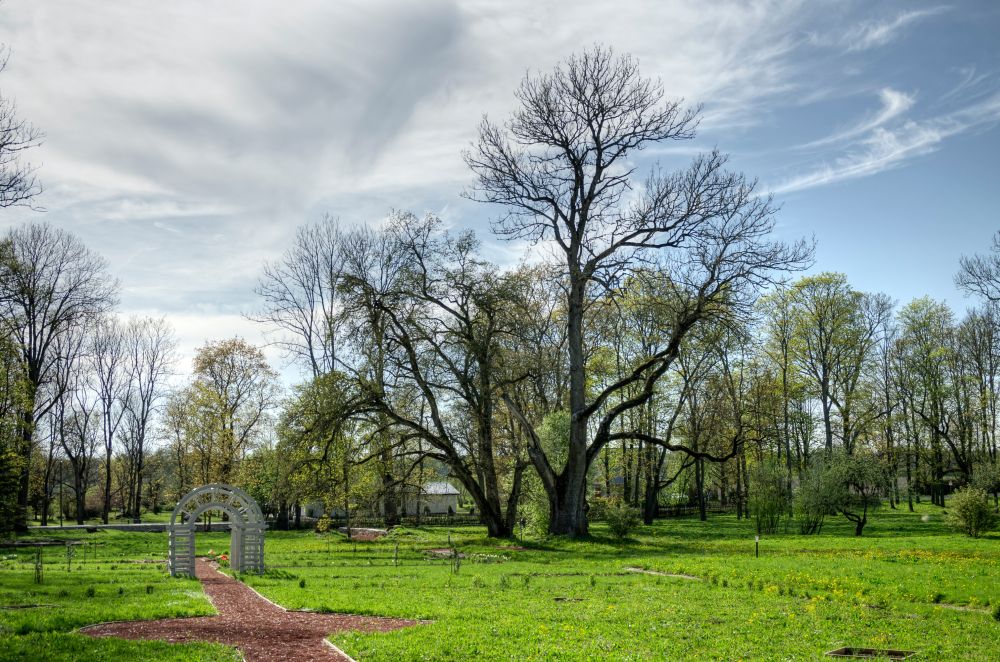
(260, 629)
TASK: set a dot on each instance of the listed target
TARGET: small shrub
(593, 581)
(996, 612)
(477, 582)
(149, 589)
(621, 518)
(121, 590)
(323, 524)
(970, 512)
(504, 582)
(937, 598)
(91, 592)
(302, 583)
(768, 496)
(598, 507)
(526, 580)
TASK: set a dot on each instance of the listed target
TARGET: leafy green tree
(860, 481)
(234, 391)
(819, 494)
(445, 320)
(933, 391)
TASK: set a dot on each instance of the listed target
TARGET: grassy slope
(805, 595)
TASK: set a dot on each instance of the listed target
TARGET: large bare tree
(50, 284)
(563, 168)
(112, 383)
(150, 353)
(980, 273)
(18, 183)
(300, 296)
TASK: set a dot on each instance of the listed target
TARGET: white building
(435, 498)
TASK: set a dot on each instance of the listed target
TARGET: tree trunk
(699, 479)
(24, 482)
(80, 494)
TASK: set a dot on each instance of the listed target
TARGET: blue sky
(186, 140)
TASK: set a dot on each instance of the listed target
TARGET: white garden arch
(246, 552)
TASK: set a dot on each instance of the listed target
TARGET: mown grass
(909, 583)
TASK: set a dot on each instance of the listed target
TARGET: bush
(621, 518)
(534, 506)
(767, 500)
(323, 524)
(598, 508)
(817, 496)
(969, 511)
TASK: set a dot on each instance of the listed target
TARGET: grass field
(910, 583)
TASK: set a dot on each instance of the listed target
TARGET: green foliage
(621, 518)
(767, 498)
(858, 483)
(553, 435)
(10, 471)
(970, 511)
(599, 505)
(817, 496)
(534, 505)
(323, 524)
(986, 476)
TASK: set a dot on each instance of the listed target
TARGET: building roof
(440, 487)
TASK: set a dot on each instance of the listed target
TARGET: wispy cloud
(869, 34)
(886, 148)
(894, 104)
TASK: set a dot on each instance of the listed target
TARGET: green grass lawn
(909, 583)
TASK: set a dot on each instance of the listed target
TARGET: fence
(361, 521)
(691, 510)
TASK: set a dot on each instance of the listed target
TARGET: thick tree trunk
(568, 495)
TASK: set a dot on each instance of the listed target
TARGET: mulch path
(644, 571)
(260, 629)
(363, 535)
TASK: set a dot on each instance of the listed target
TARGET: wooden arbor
(245, 521)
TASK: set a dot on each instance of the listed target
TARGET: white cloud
(894, 104)
(870, 34)
(886, 148)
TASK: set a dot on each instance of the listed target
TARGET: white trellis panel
(246, 521)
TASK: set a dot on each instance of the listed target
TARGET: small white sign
(756, 538)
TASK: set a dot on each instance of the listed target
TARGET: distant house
(434, 498)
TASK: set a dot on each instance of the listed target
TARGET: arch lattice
(246, 522)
